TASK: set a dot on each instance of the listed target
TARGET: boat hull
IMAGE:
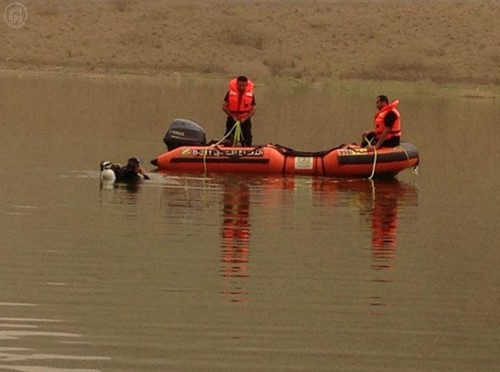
(342, 161)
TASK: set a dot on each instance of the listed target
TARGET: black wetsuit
(126, 174)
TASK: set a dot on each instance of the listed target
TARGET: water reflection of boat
(379, 204)
(188, 152)
(381, 201)
(235, 237)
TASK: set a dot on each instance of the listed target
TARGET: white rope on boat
(374, 164)
(403, 149)
(234, 128)
(374, 156)
(415, 168)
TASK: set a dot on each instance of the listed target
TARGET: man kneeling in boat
(239, 105)
(387, 131)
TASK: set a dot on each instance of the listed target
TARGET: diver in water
(128, 173)
(131, 172)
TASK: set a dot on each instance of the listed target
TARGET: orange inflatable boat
(189, 154)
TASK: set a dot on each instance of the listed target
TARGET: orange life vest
(379, 121)
(240, 104)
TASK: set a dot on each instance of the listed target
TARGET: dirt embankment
(440, 41)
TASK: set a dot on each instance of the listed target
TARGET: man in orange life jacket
(387, 131)
(239, 105)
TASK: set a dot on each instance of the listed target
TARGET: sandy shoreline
(432, 41)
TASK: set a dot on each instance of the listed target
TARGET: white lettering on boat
(229, 153)
(304, 162)
(347, 152)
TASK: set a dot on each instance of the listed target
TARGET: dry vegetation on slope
(441, 41)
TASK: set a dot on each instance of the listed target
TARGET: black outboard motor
(183, 132)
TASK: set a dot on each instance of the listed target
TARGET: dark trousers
(391, 142)
(246, 131)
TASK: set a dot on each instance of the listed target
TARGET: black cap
(135, 161)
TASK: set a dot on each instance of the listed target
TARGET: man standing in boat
(387, 131)
(239, 105)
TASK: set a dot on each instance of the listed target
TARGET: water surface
(223, 273)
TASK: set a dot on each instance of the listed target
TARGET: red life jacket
(379, 121)
(240, 104)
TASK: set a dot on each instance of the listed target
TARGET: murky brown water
(237, 273)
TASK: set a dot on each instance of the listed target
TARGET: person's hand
(142, 171)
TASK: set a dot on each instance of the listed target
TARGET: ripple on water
(25, 343)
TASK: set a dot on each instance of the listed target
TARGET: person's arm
(389, 121)
(382, 138)
(225, 108)
(250, 114)
(142, 171)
